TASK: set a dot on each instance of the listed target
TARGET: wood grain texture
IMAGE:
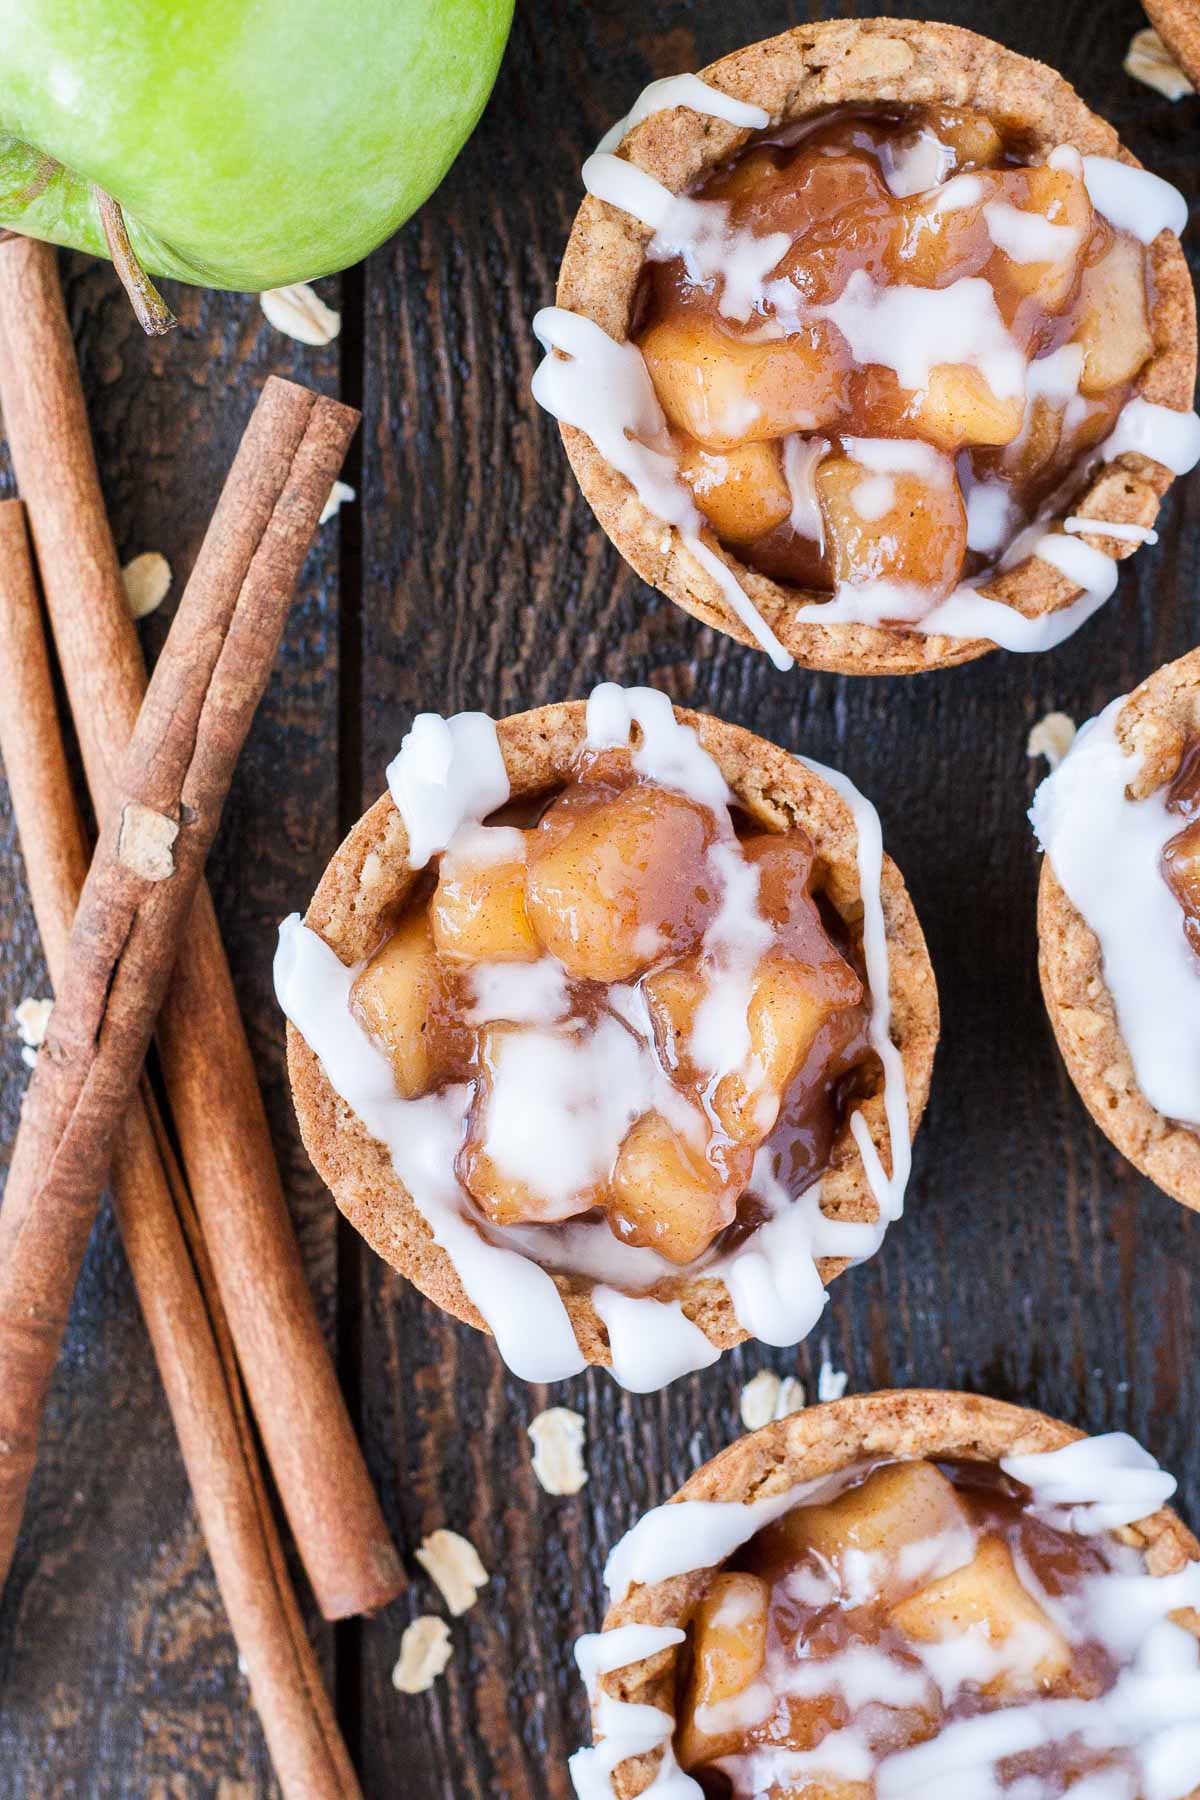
(1032, 1262)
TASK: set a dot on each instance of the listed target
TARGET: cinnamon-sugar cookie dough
(366, 889)
(801, 73)
(1177, 23)
(642, 1657)
(1155, 725)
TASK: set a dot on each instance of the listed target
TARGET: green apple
(239, 143)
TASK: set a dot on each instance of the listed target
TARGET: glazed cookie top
(1119, 921)
(627, 1072)
(910, 1593)
(874, 347)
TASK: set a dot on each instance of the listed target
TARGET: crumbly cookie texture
(1157, 720)
(818, 1442)
(1178, 25)
(367, 885)
(804, 71)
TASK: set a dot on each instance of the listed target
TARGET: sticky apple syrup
(921, 1597)
(1181, 857)
(586, 973)
(809, 453)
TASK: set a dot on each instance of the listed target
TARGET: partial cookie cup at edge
(904, 1425)
(366, 885)
(1177, 23)
(807, 70)
(1158, 720)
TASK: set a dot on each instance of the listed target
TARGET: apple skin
(250, 143)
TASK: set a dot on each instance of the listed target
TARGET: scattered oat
(1149, 60)
(766, 1397)
(1051, 737)
(425, 1649)
(147, 583)
(452, 1563)
(557, 1436)
(339, 495)
(145, 841)
(791, 1397)
(301, 313)
(831, 1382)
(31, 1018)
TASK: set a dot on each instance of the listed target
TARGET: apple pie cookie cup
(1119, 955)
(370, 881)
(663, 1581)
(791, 79)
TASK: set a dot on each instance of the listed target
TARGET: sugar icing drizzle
(445, 781)
(1104, 849)
(602, 388)
(1150, 1716)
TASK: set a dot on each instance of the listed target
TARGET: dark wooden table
(1032, 1262)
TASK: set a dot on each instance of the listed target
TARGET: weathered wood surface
(1033, 1262)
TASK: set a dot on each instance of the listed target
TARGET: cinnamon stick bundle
(207, 1068)
(139, 890)
(161, 1237)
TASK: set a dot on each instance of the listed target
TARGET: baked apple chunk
(636, 996)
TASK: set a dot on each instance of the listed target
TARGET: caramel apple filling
(1181, 855)
(638, 993)
(929, 1625)
(908, 348)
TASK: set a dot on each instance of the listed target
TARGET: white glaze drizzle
(772, 1277)
(1028, 237)
(915, 164)
(1133, 200)
(1105, 850)
(801, 459)
(1109, 528)
(449, 772)
(1159, 432)
(1151, 1714)
(698, 96)
(1095, 1484)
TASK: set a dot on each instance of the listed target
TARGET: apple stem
(153, 314)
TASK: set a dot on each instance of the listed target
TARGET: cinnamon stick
(138, 893)
(154, 1211)
(207, 1068)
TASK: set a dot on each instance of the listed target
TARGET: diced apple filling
(897, 528)
(666, 1195)
(988, 1595)
(741, 492)
(900, 1506)
(478, 911)
(592, 1094)
(1114, 327)
(616, 884)
(729, 1649)
(935, 202)
(1181, 868)
(395, 999)
(725, 391)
